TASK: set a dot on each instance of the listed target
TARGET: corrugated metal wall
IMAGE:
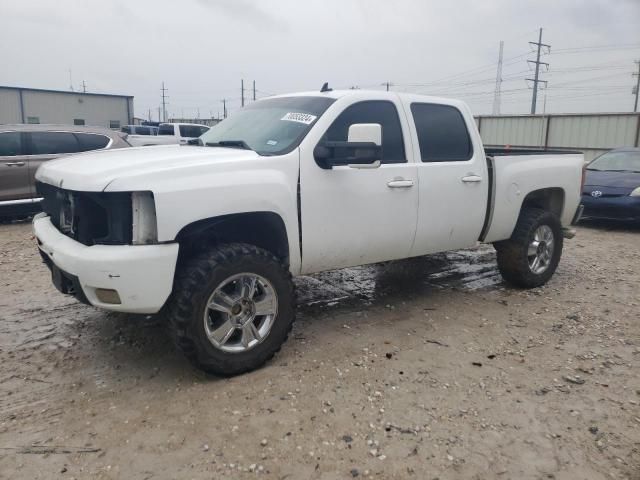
(10, 106)
(64, 107)
(591, 133)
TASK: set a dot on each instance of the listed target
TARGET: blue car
(612, 186)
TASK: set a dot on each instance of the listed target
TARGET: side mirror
(363, 149)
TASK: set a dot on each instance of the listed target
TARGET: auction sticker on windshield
(299, 117)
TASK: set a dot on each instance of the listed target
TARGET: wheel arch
(551, 199)
(264, 229)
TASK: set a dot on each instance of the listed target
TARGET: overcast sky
(202, 48)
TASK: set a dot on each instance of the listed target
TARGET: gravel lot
(428, 368)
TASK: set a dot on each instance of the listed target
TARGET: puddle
(463, 269)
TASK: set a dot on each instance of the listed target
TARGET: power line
(536, 80)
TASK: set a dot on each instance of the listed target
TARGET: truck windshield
(273, 126)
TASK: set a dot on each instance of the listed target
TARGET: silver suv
(23, 148)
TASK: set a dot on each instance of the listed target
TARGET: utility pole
(70, 81)
(536, 80)
(254, 90)
(498, 90)
(84, 86)
(637, 89)
(164, 103)
(388, 85)
(224, 107)
(242, 92)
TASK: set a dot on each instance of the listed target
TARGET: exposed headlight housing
(144, 228)
(635, 193)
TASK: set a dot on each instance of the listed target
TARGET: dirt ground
(428, 368)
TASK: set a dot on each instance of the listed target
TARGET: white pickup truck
(169, 134)
(211, 235)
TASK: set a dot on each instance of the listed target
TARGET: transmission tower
(496, 93)
(636, 89)
(164, 103)
(536, 80)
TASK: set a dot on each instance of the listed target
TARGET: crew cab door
(353, 216)
(453, 176)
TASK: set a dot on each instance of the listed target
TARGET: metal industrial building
(33, 105)
(591, 133)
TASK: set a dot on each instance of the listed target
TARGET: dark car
(24, 147)
(612, 186)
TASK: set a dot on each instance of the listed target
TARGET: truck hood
(94, 171)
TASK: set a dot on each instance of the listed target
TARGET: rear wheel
(232, 308)
(530, 257)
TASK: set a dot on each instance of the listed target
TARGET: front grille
(91, 218)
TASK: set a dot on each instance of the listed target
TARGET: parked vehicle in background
(292, 185)
(170, 133)
(182, 131)
(612, 186)
(139, 130)
(24, 147)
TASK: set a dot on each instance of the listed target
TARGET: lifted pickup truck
(211, 235)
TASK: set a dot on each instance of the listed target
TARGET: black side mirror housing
(329, 154)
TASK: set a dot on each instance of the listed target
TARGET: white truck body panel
(518, 175)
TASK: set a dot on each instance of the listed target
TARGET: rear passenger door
(14, 170)
(453, 177)
(44, 146)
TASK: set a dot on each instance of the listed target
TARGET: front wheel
(232, 308)
(530, 257)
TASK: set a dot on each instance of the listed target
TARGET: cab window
(372, 111)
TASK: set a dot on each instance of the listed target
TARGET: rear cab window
(192, 131)
(442, 133)
(166, 130)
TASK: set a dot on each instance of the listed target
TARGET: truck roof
(376, 93)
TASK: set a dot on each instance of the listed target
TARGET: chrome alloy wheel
(240, 312)
(540, 251)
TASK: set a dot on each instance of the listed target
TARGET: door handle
(400, 183)
(472, 179)
(14, 164)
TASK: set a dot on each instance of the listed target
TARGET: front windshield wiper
(230, 143)
(627, 171)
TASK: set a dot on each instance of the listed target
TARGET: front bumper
(141, 274)
(623, 207)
